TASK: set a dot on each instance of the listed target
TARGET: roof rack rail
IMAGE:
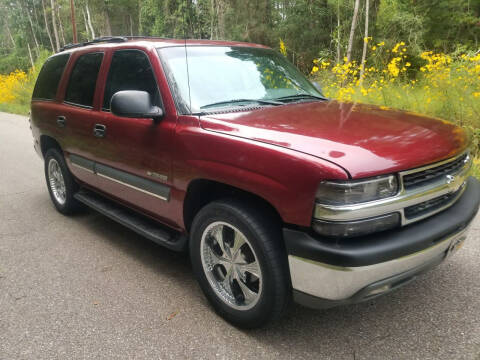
(147, 37)
(70, 46)
(107, 39)
(113, 39)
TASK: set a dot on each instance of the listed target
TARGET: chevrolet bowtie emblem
(451, 182)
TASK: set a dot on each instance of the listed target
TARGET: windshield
(224, 76)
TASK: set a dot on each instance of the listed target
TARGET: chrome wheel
(231, 266)
(56, 182)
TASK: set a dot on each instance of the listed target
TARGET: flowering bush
(16, 88)
(11, 85)
(444, 86)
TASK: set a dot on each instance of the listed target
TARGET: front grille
(429, 175)
(430, 206)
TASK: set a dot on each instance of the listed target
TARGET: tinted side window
(49, 77)
(83, 79)
(130, 70)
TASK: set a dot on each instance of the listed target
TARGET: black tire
(264, 235)
(71, 187)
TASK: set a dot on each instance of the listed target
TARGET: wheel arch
(48, 142)
(201, 192)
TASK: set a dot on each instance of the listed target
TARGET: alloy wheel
(56, 182)
(231, 265)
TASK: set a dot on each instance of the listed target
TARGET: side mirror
(317, 86)
(134, 104)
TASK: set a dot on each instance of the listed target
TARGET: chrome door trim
(82, 163)
(82, 167)
(135, 182)
(132, 187)
(147, 186)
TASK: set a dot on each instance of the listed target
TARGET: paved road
(85, 287)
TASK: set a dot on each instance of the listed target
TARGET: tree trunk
(74, 21)
(30, 22)
(36, 21)
(9, 33)
(352, 30)
(221, 19)
(46, 25)
(130, 20)
(31, 57)
(108, 28)
(90, 21)
(62, 33)
(31, 27)
(212, 18)
(339, 55)
(54, 25)
(365, 41)
(85, 23)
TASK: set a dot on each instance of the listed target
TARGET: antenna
(187, 13)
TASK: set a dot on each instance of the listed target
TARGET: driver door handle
(99, 130)
(61, 121)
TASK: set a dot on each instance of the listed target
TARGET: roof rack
(147, 37)
(70, 46)
(112, 39)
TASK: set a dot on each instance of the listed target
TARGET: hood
(365, 140)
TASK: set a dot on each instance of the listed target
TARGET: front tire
(60, 182)
(238, 257)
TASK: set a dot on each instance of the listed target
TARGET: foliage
(447, 86)
(16, 88)
(309, 29)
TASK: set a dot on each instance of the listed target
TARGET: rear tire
(60, 182)
(246, 278)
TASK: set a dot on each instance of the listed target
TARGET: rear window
(49, 77)
(81, 86)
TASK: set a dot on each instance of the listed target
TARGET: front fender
(287, 179)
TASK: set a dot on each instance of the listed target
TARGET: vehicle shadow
(429, 316)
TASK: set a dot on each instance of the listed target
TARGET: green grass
(15, 108)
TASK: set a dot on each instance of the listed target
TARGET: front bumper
(329, 272)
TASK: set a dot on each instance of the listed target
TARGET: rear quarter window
(49, 77)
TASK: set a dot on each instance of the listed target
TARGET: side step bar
(142, 225)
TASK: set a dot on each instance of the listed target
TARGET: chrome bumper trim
(403, 199)
(339, 283)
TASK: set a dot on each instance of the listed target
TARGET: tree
(46, 25)
(352, 30)
(365, 41)
(54, 25)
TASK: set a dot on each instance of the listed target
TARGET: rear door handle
(61, 121)
(99, 130)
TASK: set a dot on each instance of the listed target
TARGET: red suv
(227, 150)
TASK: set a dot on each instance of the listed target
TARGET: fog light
(358, 227)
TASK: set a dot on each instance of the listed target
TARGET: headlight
(356, 191)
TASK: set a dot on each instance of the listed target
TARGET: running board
(142, 225)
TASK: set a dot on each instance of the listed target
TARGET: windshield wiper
(300, 97)
(236, 101)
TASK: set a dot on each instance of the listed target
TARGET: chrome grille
(433, 205)
(423, 177)
(424, 192)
